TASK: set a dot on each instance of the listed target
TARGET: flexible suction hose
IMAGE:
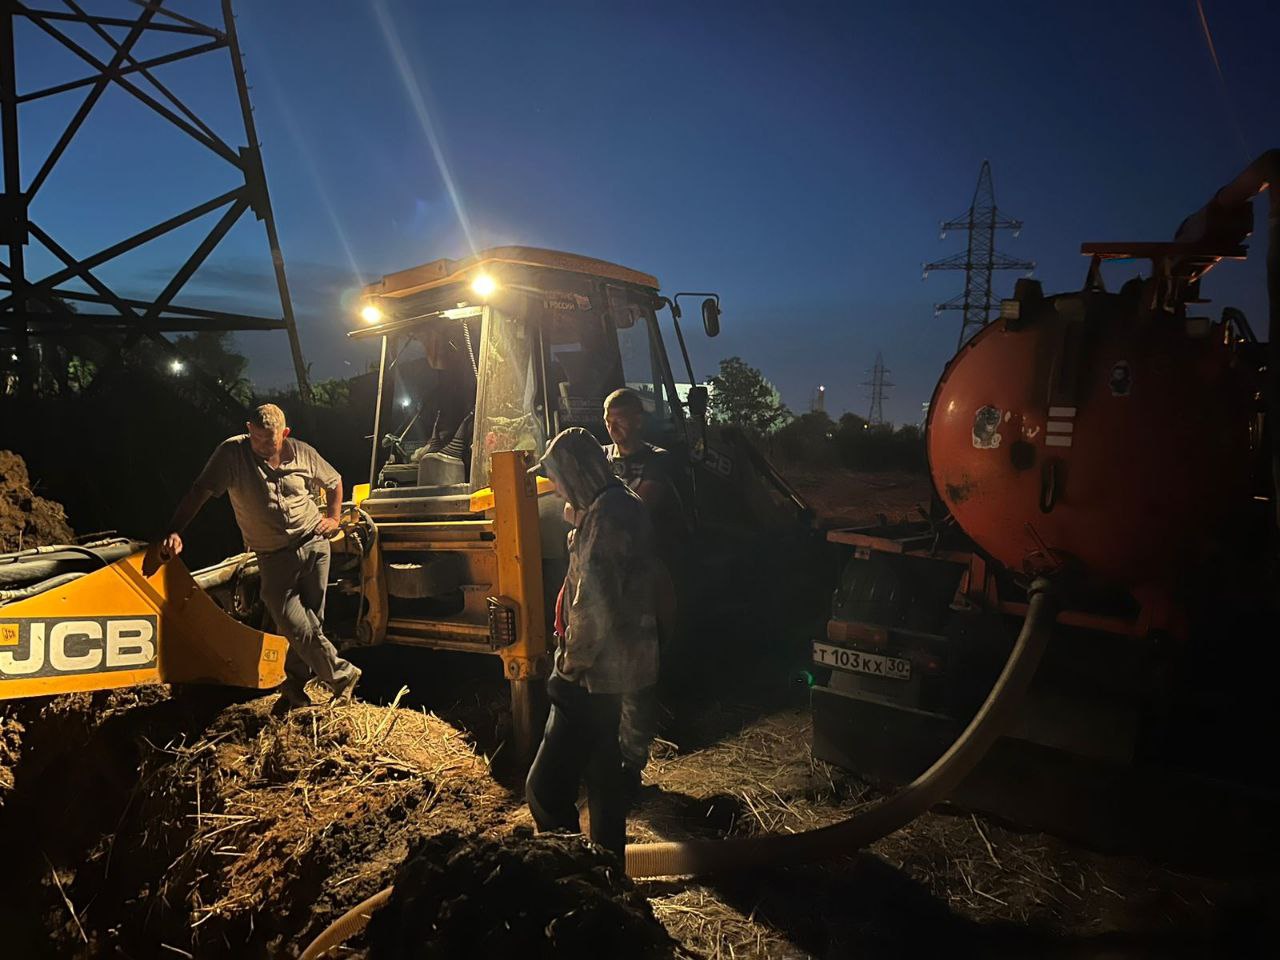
(838, 839)
(711, 856)
(346, 926)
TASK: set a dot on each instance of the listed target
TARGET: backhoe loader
(450, 544)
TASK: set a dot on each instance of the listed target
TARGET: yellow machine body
(503, 612)
(501, 551)
(116, 627)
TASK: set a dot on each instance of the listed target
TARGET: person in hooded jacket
(607, 642)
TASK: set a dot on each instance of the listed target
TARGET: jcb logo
(717, 462)
(49, 648)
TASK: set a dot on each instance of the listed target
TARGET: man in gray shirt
(272, 479)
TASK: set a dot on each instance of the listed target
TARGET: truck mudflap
(116, 627)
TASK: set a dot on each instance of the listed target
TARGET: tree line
(742, 397)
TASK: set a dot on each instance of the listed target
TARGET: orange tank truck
(1117, 442)
(1089, 434)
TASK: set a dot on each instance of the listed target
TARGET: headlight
(483, 286)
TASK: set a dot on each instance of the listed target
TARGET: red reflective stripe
(560, 625)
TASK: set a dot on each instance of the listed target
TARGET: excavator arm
(116, 627)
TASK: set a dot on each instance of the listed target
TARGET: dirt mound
(41, 732)
(25, 519)
(11, 731)
(526, 895)
(218, 830)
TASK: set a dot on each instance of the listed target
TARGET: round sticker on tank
(1121, 380)
(986, 428)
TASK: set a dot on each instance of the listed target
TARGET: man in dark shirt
(642, 466)
(639, 465)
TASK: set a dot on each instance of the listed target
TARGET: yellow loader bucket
(116, 627)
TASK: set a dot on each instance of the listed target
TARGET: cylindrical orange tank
(1087, 432)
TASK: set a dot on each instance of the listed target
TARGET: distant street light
(176, 367)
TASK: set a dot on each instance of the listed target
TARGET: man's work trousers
(293, 587)
(580, 743)
(638, 726)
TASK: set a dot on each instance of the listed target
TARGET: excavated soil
(194, 823)
(27, 520)
(193, 826)
(547, 896)
(201, 825)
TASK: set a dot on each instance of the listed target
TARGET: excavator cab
(483, 361)
(504, 350)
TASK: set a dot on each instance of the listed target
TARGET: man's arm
(214, 480)
(328, 524)
(329, 480)
(188, 507)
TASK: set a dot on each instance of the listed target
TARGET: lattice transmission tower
(73, 300)
(878, 384)
(980, 259)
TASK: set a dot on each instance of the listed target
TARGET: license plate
(842, 658)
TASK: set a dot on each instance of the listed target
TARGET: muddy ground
(851, 498)
(193, 822)
(197, 825)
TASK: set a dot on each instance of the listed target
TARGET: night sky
(796, 158)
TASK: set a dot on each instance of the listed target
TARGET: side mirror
(710, 323)
(697, 401)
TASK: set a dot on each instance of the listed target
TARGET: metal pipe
(684, 351)
(86, 548)
(377, 416)
(1273, 322)
(1222, 218)
(48, 562)
(547, 399)
(22, 593)
(226, 571)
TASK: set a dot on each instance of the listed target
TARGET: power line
(878, 385)
(980, 258)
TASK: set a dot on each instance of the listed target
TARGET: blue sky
(797, 157)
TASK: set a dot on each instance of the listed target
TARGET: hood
(576, 462)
